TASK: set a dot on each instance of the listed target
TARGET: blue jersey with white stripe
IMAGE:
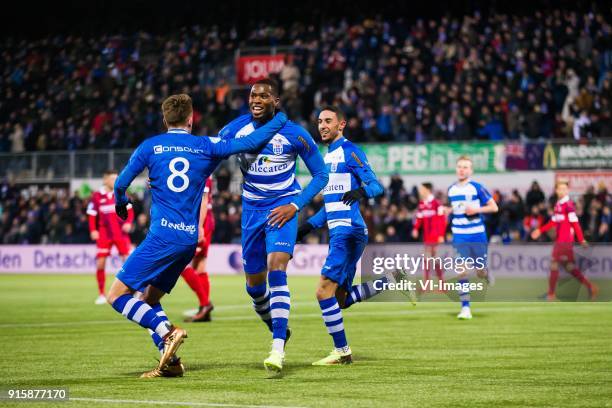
(348, 170)
(461, 196)
(269, 175)
(179, 164)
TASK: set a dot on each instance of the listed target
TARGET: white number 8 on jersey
(180, 174)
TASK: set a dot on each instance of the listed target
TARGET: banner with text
(255, 67)
(430, 158)
(577, 156)
(521, 260)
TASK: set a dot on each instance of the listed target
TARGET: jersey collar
(564, 200)
(177, 131)
(337, 143)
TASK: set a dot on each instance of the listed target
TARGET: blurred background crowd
(538, 72)
(52, 215)
(484, 76)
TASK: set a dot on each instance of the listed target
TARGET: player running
(271, 198)
(178, 164)
(195, 274)
(350, 180)
(469, 200)
(107, 230)
(431, 218)
(566, 222)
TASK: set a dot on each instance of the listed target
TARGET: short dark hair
(272, 83)
(336, 110)
(110, 171)
(428, 186)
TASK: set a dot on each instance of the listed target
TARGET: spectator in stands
(488, 75)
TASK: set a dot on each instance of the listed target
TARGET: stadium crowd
(52, 215)
(483, 76)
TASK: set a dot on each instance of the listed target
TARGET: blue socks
(364, 291)
(261, 302)
(280, 304)
(157, 340)
(332, 316)
(141, 313)
(464, 296)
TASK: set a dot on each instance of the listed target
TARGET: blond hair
(465, 158)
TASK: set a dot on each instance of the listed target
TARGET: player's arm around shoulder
(222, 148)
(229, 131)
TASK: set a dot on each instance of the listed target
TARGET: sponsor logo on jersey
(334, 167)
(281, 243)
(333, 188)
(159, 149)
(178, 227)
(265, 165)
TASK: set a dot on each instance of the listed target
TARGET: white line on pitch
(180, 403)
(408, 310)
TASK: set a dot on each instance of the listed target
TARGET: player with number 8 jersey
(179, 164)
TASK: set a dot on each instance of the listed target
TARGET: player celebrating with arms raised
(179, 164)
(566, 221)
(350, 180)
(469, 200)
(271, 198)
(106, 229)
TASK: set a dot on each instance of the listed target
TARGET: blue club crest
(277, 148)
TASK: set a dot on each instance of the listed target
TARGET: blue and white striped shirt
(269, 176)
(461, 196)
(348, 170)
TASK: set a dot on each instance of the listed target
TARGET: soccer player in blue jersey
(469, 200)
(271, 199)
(178, 164)
(350, 180)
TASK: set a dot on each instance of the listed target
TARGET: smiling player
(350, 180)
(271, 198)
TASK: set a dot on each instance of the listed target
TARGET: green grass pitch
(510, 354)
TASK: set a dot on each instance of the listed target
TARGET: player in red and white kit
(195, 274)
(106, 229)
(566, 222)
(431, 218)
